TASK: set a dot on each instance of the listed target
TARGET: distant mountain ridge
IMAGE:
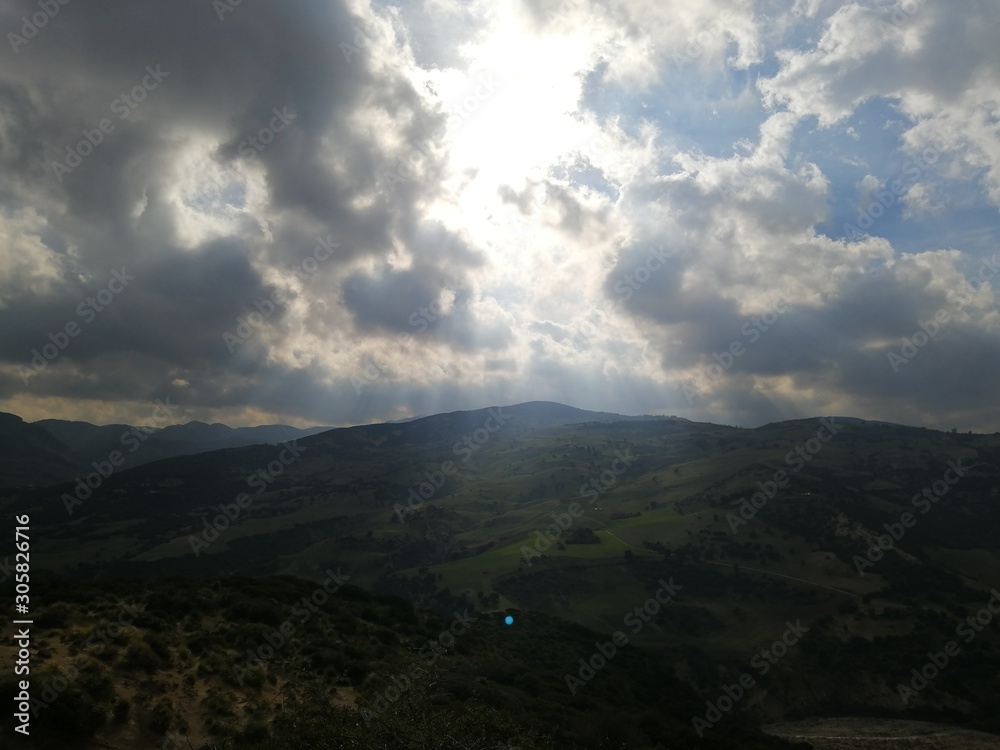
(51, 451)
(28, 451)
(55, 450)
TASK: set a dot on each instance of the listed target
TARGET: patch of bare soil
(882, 734)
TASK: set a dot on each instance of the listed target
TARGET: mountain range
(53, 450)
(813, 565)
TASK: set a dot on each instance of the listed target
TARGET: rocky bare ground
(883, 734)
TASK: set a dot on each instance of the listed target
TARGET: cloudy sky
(343, 211)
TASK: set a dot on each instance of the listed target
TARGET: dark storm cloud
(225, 79)
(410, 303)
(268, 83)
(173, 305)
(648, 281)
(209, 157)
(839, 347)
(387, 301)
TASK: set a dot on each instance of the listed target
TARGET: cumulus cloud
(345, 212)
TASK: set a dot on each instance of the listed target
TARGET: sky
(343, 212)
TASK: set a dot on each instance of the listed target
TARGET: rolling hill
(854, 549)
(54, 450)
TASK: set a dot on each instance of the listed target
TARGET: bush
(140, 656)
(357, 672)
(54, 617)
(256, 610)
(95, 681)
(158, 645)
(82, 707)
(218, 704)
(158, 720)
(386, 636)
(256, 730)
(155, 621)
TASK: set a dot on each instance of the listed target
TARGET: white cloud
(552, 148)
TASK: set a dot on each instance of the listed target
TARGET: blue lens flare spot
(508, 620)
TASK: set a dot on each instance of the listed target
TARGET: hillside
(266, 663)
(770, 534)
(30, 454)
(51, 451)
